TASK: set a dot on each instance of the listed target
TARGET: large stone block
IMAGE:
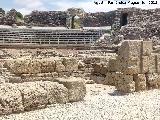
(76, 88)
(129, 67)
(34, 96)
(130, 48)
(147, 48)
(10, 99)
(140, 82)
(153, 81)
(126, 84)
(56, 93)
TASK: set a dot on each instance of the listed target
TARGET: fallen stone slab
(76, 87)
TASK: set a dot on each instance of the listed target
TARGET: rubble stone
(76, 88)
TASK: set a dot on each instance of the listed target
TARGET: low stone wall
(28, 96)
(48, 65)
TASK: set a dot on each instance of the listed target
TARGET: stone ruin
(30, 84)
(135, 68)
(136, 24)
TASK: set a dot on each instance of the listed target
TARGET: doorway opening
(124, 19)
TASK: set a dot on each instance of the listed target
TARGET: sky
(26, 6)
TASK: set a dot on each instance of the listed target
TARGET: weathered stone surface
(112, 78)
(76, 88)
(152, 64)
(71, 64)
(47, 65)
(153, 81)
(144, 64)
(34, 96)
(126, 84)
(10, 99)
(140, 82)
(112, 65)
(59, 65)
(147, 48)
(56, 93)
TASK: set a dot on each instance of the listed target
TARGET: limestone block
(153, 81)
(76, 87)
(59, 65)
(56, 93)
(11, 99)
(130, 48)
(144, 64)
(34, 96)
(140, 82)
(147, 48)
(126, 84)
(71, 64)
(152, 63)
(130, 66)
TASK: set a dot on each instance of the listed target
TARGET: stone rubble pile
(135, 68)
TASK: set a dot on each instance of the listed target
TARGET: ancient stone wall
(136, 68)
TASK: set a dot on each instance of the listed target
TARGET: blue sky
(26, 6)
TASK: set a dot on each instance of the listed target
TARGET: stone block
(34, 96)
(76, 88)
(130, 48)
(56, 93)
(11, 99)
(153, 81)
(147, 48)
(126, 84)
(140, 82)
